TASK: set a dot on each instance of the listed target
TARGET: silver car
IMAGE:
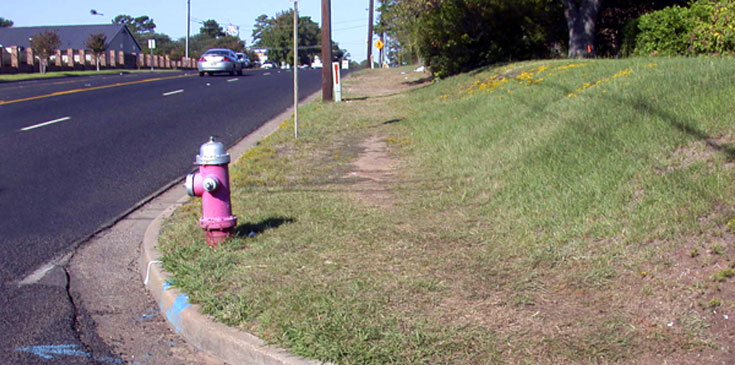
(219, 60)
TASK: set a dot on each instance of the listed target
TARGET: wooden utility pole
(326, 51)
(370, 34)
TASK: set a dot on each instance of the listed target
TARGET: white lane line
(232, 80)
(45, 124)
(179, 91)
(267, 74)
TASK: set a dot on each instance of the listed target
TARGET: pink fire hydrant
(212, 183)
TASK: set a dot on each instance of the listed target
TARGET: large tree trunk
(581, 21)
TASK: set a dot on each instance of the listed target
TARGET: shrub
(705, 27)
(630, 34)
(461, 35)
(713, 31)
(664, 32)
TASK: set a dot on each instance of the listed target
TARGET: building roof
(71, 36)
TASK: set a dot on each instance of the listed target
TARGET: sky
(349, 17)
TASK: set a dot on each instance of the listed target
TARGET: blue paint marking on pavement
(48, 352)
(174, 314)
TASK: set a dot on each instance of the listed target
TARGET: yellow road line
(74, 91)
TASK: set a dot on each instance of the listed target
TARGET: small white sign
(336, 82)
(152, 43)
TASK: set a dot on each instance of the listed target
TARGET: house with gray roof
(119, 38)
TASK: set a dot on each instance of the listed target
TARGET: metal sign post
(151, 46)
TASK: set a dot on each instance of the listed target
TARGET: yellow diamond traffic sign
(379, 44)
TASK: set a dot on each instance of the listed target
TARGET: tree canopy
(141, 24)
(5, 23)
(276, 35)
(453, 36)
(212, 29)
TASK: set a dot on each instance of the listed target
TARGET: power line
(355, 27)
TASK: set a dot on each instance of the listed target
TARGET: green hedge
(706, 27)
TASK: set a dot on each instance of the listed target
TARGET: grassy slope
(544, 212)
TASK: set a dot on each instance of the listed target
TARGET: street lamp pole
(296, 69)
(370, 34)
(188, 26)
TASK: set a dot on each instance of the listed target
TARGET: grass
(50, 75)
(541, 212)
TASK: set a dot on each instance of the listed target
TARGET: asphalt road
(76, 154)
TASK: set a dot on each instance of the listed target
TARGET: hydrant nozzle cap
(212, 153)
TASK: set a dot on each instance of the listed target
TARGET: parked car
(268, 65)
(244, 60)
(219, 60)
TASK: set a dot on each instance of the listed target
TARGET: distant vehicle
(304, 67)
(219, 60)
(244, 60)
(268, 65)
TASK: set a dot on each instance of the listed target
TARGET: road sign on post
(337, 83)
(151, 46)
(379, 44)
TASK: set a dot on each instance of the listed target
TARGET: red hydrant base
(215, 237)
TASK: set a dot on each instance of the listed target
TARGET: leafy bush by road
(706, 27)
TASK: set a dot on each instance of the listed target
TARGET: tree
(581, 18)
(212, 29)
(141, 24)
(164, 44)
(233, 43)
(453, 36)
(43, 44)
(276, 35)
(97, 44)
(261, 23)
(5, 23)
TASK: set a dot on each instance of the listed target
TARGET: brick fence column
(57, 61)
(70, 57)
(14, 56)
(82, 57)
(112, 57)
(103, 59)
(29, 56)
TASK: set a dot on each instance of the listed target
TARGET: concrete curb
(226, 343)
